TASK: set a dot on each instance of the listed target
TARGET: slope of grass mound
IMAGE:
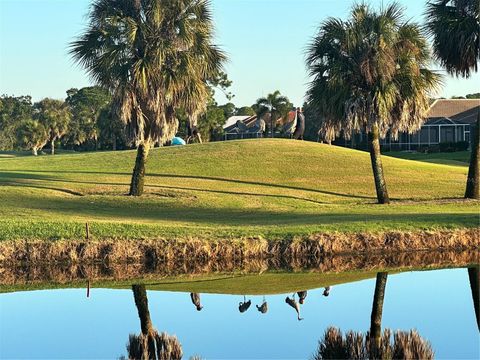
(276, 188)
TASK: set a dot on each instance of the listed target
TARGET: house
(242, 127)
(246, 127)
(449, 121)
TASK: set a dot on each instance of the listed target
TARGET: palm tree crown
(455, 26)
(274, 104)
(154, 55)
(370, 70)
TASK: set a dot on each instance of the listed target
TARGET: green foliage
(32, 135)
(13, 111)
(111, 130)
(86, 105)
(245, 111)
(211, 124)
(229, 110)
(275, 105)
(155, 56)
(473, 96)
(455, 28)
(55, 116)
(370, 71)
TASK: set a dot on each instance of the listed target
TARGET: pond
(65, 323)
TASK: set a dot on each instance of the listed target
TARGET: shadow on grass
(11, 179)
(144, 210)
(25, 174)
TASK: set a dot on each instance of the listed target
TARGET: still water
(67, 324)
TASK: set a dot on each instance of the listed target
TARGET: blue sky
(265, 40)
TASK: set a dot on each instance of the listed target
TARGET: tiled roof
(460, 111)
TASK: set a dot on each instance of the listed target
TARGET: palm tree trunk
(472, 191)
(34, 151)
(114, 142)
(377, 167)
(377, 310)
(138, 176)
(474, 277)
(52, 147)
(141, 301)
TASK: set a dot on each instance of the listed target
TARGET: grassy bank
(266, 188)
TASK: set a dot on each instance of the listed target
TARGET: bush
(462, 145)
(447, 147)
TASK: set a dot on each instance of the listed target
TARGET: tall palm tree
(369, 74)
(276, 105)
(455, 27)
(155, 56)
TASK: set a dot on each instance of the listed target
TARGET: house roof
(232, 120)
(454, 111)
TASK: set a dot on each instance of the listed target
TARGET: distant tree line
(84, 121)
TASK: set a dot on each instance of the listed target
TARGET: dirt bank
(163, 251)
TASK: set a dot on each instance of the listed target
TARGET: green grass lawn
(459, 158)
(271, 188)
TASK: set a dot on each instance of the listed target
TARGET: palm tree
(276, 105)
(155, 56)
(369, 74)
(455, 26)
(32, 135)
(149, 344)
(55, 116)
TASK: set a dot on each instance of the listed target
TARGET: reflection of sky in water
(64, 324)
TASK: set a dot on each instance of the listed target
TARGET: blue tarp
(177, 141)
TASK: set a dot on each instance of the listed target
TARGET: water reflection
(220, 331)
(150, 344)
(196, 301)
(474, 279)
(375, 344)
(264, 307)
(293, 303)
(245, 305)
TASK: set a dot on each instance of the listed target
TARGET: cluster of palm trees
(370, 73)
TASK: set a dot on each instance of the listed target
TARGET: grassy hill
(265, 187)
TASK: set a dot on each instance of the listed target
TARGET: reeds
(233, 250)
(357, 345)
(166, 347)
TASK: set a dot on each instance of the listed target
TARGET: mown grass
(270, 188)
(459, 158)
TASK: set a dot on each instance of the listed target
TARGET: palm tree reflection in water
(374, 344)
(149, 344)
(474, 277)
